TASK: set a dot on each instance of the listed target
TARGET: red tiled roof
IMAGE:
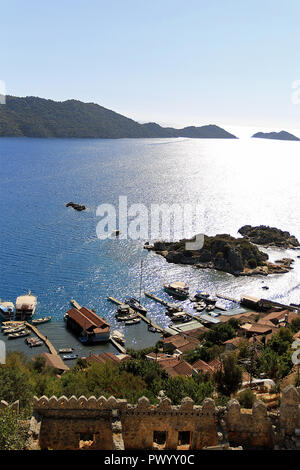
(88, 320)
(276, 315)
(260, 329)
(215, 364)
(176, 367)
(54, 360)
(297, 335)
(203, 366)
(181, 340)
(103, 358)
(235, 341)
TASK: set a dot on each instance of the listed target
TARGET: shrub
(246, 398)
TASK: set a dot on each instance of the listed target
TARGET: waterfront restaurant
(87, 325)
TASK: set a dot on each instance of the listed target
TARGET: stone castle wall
(109, 424)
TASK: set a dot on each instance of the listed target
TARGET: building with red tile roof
(175, 367)
(88, 324)
(202, 366)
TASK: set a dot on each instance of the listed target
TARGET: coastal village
(242, 352)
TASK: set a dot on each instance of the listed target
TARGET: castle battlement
(64, 423)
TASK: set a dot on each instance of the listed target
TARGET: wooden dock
(145, 319)
(117, 345)
(157, 299)
(167, 304)
(115, 301)
(75, 304)
(226, 297)
(42, 338)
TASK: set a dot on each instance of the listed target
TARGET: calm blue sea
(55, 252)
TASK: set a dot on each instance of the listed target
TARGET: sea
(56, 252)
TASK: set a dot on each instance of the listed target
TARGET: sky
(178, 63)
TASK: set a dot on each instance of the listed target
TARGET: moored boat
(21, 334)
(177, 289)
(69, 357)
(134, 321)
(39, 321)
(135, 305)
(65, 350)
(7, 310)
(118, 336)
(26, 306)
(8, 331)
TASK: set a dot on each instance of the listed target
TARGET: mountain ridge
(32, 116)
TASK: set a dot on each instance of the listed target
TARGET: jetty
(117, 346)
(42, 338)
(145, 319)
(157, 299)
(75, 304)
(226, 297)
(167, 304)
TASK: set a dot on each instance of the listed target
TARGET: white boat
(118, 336)
(177, 289)
(7, 310)
(39, 321)
(26, 306)
(21, 334)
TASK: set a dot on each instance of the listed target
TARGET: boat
(134, 321)
(38, 321)
(173, 308)
(13, 330)
(200, 294)
(177, 289)
(136, 305)
(209, 308)
(125, 313)
(33, 342)
(65, 350)
(21, 334)
(152, 329)
(178, 317)
(9, 325)
(204, 296)
(118, 337)
(69, 357)
(7, 310)
(26, 306)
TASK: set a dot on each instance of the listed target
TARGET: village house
(180, 343)
(177, 366)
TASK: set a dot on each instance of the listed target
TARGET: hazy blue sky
(175, 62)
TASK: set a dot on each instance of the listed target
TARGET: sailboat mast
(141, 277)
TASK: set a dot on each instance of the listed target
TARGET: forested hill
(38, 117)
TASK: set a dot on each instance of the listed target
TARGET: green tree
(229, 377)
(246, 398)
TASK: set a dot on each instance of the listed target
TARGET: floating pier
(42, 338)
(226, 297)
(146, 320)
(167, 304)
(75, 304)
(117, 345)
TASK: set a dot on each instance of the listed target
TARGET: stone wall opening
(159, 439)
(86, 440)
(184, 439)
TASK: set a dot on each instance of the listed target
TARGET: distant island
(282, 135)
(38, 117)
